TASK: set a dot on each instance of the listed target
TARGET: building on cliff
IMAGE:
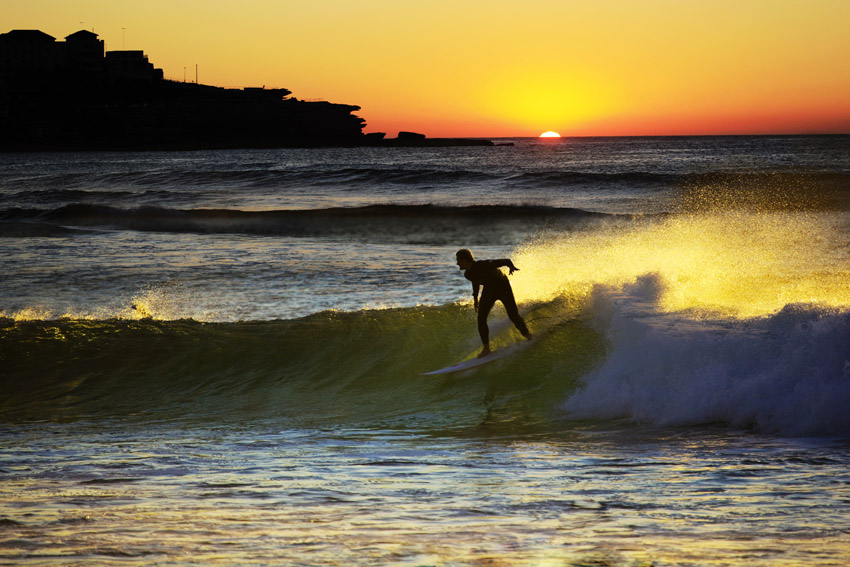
(131, 66)
(84, 55)
(74, 94)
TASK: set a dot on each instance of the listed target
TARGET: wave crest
(786, 374)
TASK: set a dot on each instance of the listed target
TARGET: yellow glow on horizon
(449, 68)
(533, 98)
(550, 134)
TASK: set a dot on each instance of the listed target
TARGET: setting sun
(550, 134)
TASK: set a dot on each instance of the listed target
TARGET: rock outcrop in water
(72, 94)
(415, 140)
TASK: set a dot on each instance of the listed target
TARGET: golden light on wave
(739, 264)
(550, 134)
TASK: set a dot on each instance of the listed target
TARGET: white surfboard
(473, 362)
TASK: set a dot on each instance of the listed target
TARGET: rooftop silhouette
(73, 94)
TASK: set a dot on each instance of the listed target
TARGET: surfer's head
(464, 258)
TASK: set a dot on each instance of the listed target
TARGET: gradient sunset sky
(495, 68)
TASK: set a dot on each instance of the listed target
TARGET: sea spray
(734, 264)
(733, 311)
(785, 374)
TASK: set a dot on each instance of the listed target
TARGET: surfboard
(474, 362)
(495, 328)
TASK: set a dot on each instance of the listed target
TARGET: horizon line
(565, 137)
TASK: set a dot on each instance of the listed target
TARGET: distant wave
(270, 177)
(103, 195)
(568, 178)
(36, 229)
(405, 176)
(393, 223)
(256, 177)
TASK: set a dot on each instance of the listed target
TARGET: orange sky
(496, 68)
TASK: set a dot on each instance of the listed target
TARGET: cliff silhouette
(74, 95)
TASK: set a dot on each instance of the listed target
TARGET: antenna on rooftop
(123, 42)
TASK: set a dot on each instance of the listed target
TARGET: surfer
(486, 274)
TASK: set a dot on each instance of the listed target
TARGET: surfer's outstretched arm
(507, 263)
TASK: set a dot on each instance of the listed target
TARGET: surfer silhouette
(496, 287)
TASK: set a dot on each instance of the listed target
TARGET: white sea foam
(788, 373)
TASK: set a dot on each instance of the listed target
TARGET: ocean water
(215, 358)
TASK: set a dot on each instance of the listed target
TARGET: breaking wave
(786, 374)
(593, 361)
(323, 370)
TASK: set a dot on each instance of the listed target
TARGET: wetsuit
(486, 273)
